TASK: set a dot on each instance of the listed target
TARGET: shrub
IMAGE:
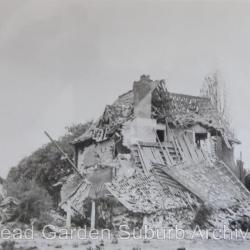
(46, 166)
(201, 218)
(8, 245)
(35, 202)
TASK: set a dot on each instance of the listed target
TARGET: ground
(136, 244)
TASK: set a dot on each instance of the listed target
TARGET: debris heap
(158, 154)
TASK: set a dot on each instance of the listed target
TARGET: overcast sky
(62, 61)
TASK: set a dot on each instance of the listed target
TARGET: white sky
(62, 61)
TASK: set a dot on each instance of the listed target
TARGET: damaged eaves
(180, 110)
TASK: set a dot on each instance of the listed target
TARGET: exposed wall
(101, 153)
(126, 168)
(140, 129)
(100, 176)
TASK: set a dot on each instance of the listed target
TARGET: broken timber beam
(64, 154)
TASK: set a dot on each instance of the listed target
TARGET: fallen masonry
(156, 158)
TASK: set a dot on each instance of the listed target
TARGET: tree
(215, 89)
(35, 201)
(46, 166)
(247, 181)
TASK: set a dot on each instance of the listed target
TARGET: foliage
(106, 205)
(202, 216)
(45, 167)
(247, 181)
(35, 202)
(8, 245)
(215, 89)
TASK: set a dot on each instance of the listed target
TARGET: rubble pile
(138, 193)
(161, 155)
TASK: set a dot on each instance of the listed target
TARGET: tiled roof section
(213, 182)
(121, 110)
(188, 110)
(185, 110)
(182, 104)
(113, 116)
(142, 194)
(138, 193)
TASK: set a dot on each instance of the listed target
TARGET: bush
(33, 180)
(8, 245)
(46, 166)
(35, 202)
(201, 218)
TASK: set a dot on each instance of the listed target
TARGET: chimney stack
(142, 96)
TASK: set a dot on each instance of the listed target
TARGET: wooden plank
(142, 160)
(194, 147)
(200, 154)
(232, 175)
(224, 136)
(83, 176)
(180, 149)
(174, 142)
(167, 156)
(191, 149)
(188, 157)
(165, 152)
(189, 187)
(165, 179)
(148, 157)
(205, 155)
(158, 155)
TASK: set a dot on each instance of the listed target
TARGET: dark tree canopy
(46, 166)
(247, 181)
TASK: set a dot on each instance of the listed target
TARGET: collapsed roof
(178, 171)
(180, 110)
(150, 194)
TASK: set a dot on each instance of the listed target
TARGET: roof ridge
(193, 96)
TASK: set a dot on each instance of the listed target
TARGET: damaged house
(158, 156)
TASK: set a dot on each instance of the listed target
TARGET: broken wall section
(96, 154)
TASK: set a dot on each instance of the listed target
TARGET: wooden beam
(69, 214)
(93, 215)
(64, 154)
